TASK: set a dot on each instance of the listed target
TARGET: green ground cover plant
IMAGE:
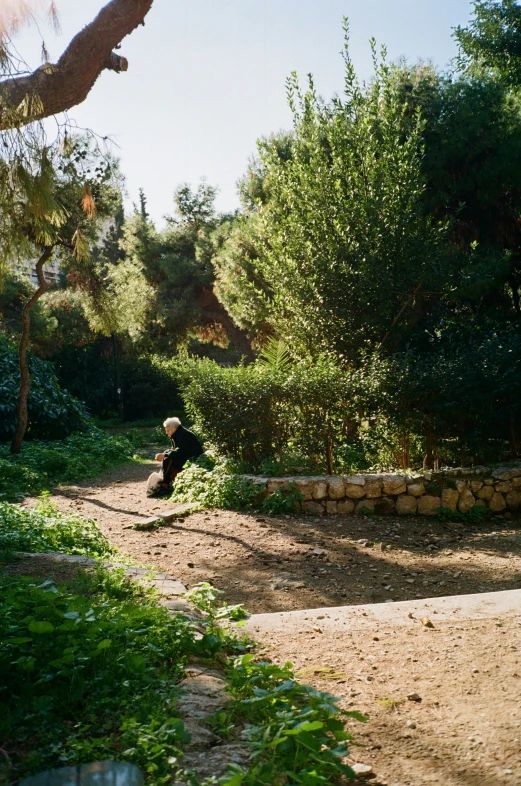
(476, 515)
(221, 486)
(216, 488)
(89, 671)
(89, 676)
(297, 733)
(45, 529)
(42, 465)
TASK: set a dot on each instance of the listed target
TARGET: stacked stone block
(458, 489)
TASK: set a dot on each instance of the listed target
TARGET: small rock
(414, 697)
(190, 564)
(426, 622)
(318, 552)
(411, 724)
(362, 770)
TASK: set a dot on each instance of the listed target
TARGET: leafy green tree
(177, 266)
(492, 39)
(59, 216)
(472, 138)
(239, 287)
(345, 258)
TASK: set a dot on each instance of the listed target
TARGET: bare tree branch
(51, 90)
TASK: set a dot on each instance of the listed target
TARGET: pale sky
(206, 78)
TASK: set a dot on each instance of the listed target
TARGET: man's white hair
(172, 423)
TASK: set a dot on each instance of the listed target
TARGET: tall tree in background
(76, 194)
(347, 260)
(39, 209)
(177, 265)
(493, 38)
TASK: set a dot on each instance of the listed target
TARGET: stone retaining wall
(457, 489)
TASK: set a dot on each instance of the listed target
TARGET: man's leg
(165, 488)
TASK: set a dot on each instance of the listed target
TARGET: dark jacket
(186, 446)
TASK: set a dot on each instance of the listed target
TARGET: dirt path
(466, 670)
(279, 564)
(466, 731)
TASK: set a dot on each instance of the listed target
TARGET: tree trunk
(49, 91)
(25, 379)
(329, 455)
(428, 461)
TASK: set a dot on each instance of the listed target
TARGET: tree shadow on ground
(263, 562)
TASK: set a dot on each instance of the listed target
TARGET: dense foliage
(53, 412)
(455, 400)
(257, 412)
(89, 676)
(42, 465)
(492, 37)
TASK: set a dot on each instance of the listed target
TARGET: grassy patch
(43, 465)
(45, 529)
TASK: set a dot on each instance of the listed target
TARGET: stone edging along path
(424, 493)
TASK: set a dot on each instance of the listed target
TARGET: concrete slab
(179, 511)
(337, 619)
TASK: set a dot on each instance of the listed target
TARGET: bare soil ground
(283, 563)
(466, 731)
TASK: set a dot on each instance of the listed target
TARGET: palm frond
(276, 355)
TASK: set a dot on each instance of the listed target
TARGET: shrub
(260, 413)
(53, 412)
(216, 488)
(235, 409)
(286, 499)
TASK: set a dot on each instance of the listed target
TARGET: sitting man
(185, 446)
